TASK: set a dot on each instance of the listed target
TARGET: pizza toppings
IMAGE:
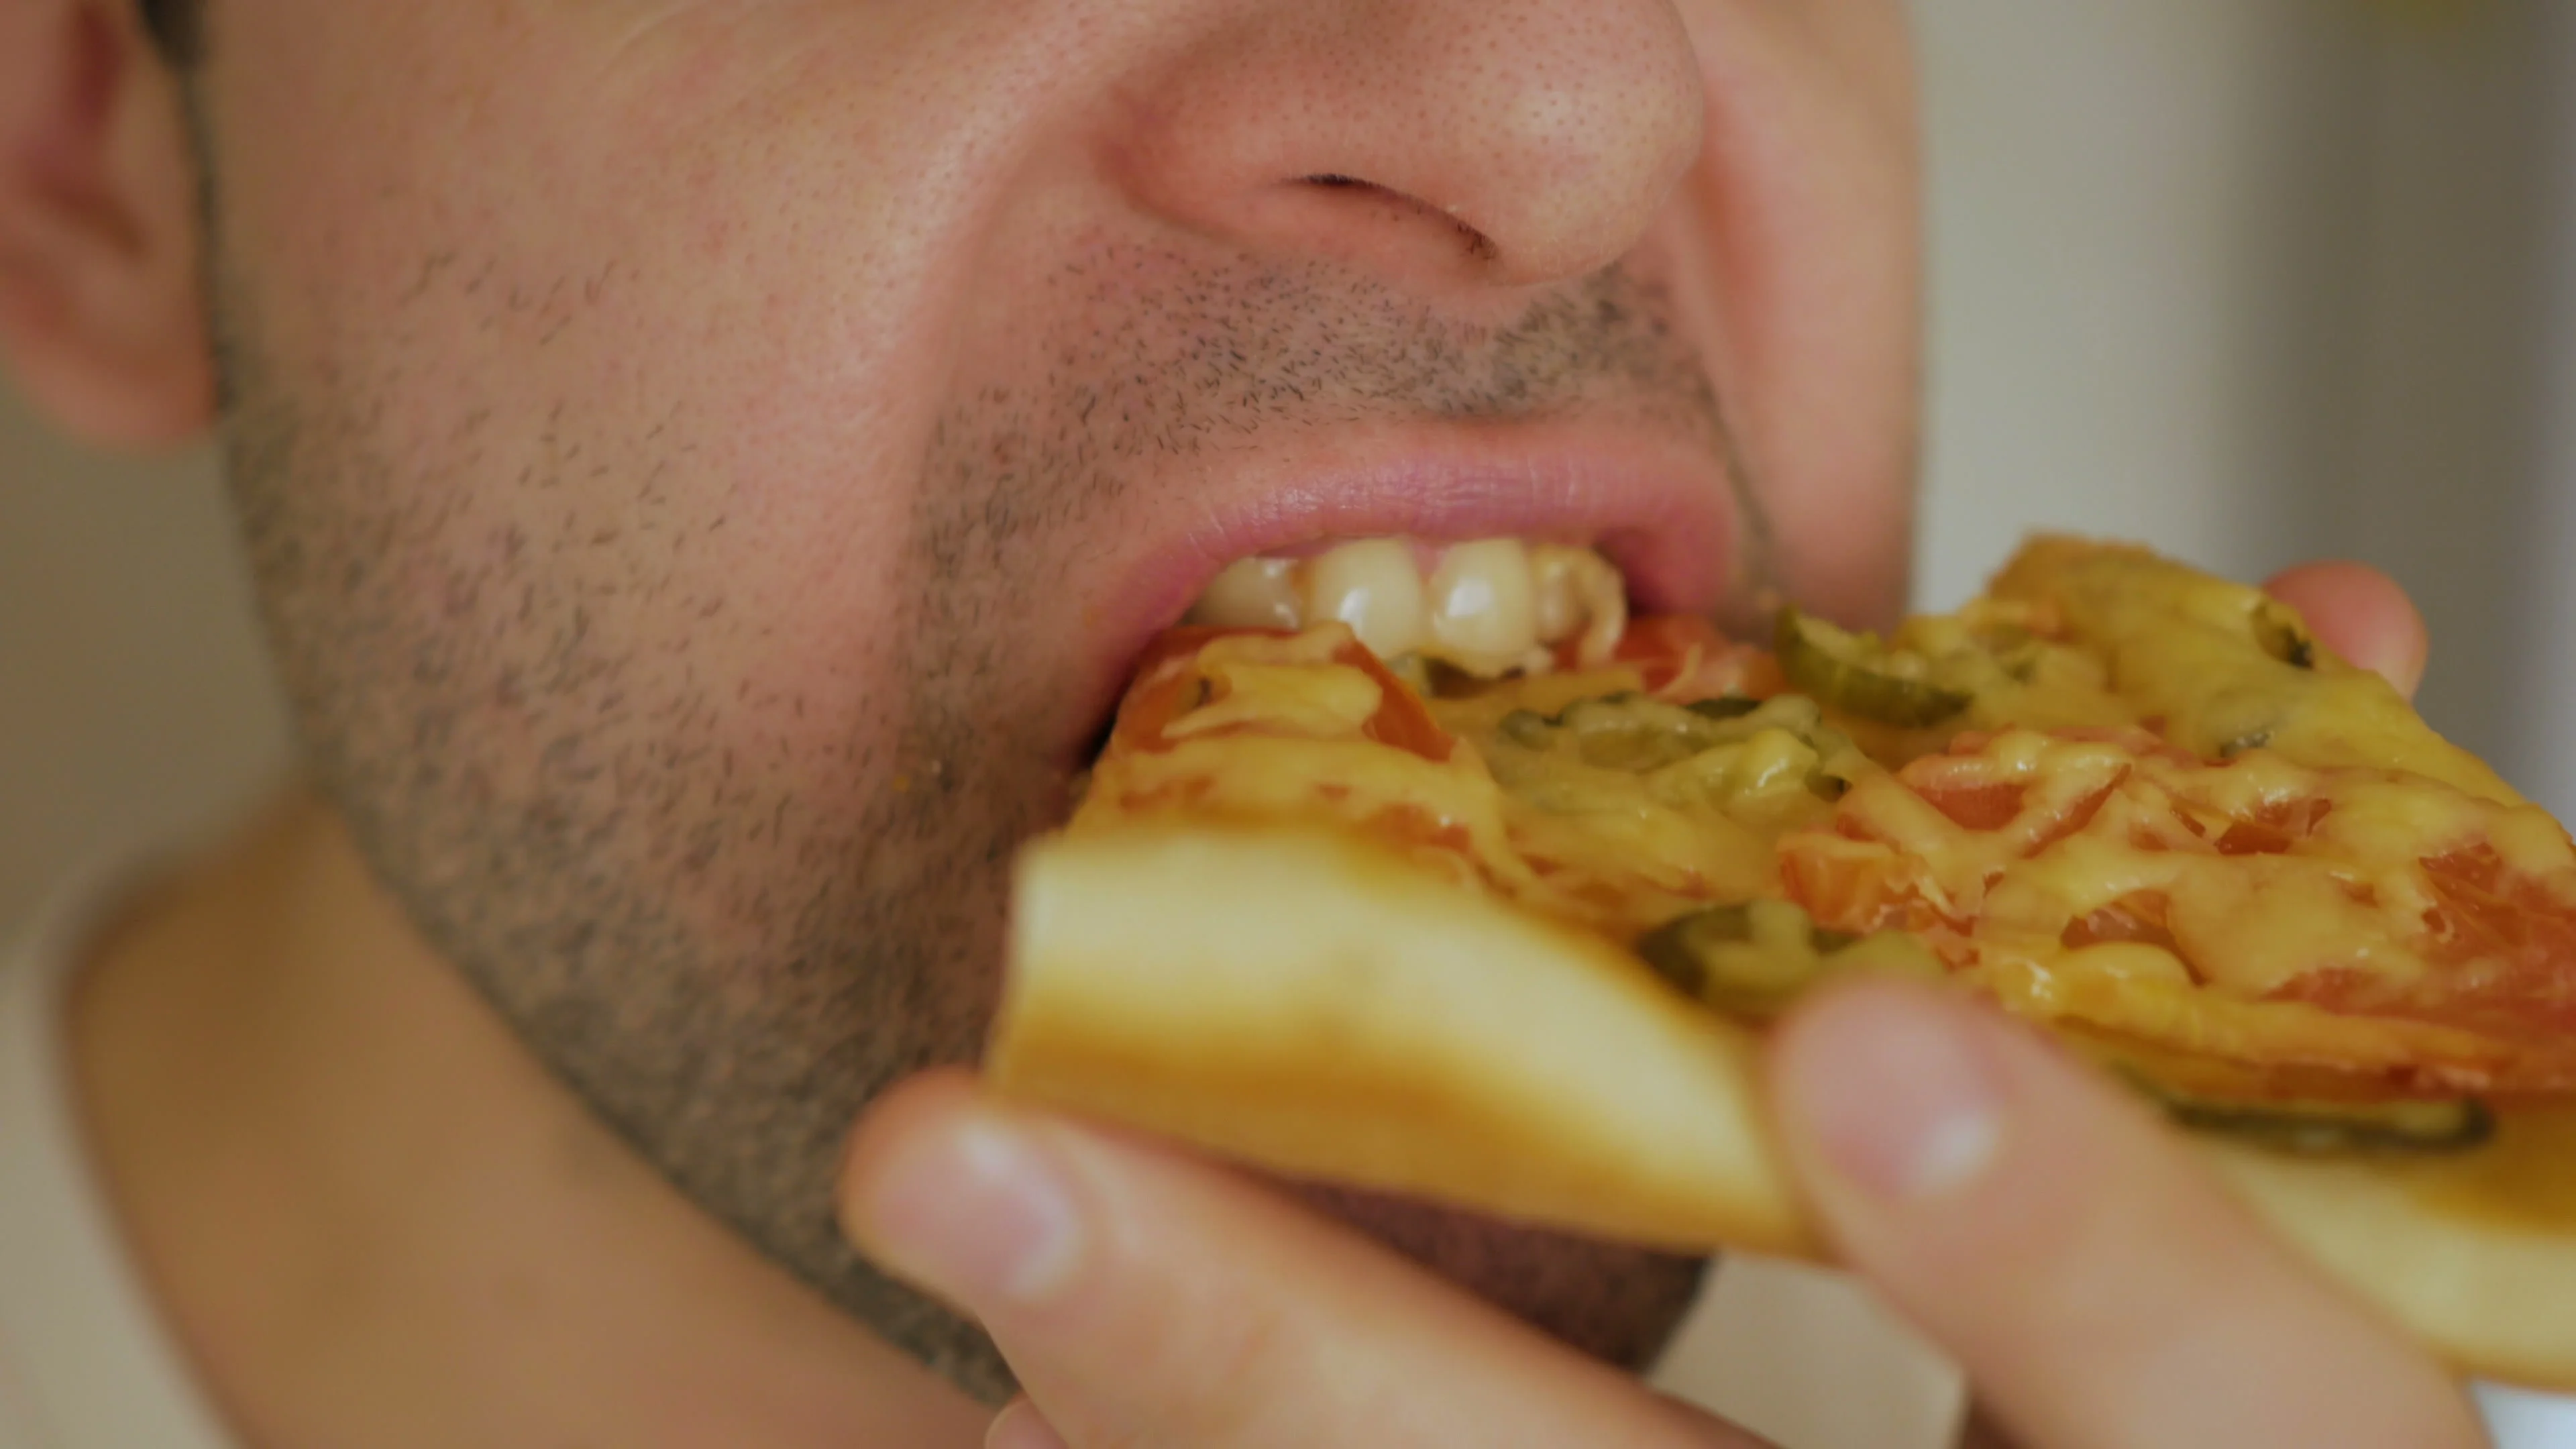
(2253, 909)
(1753, 959)
(2313, 1128)
(2219, 666)
(2017, 796)
(1638, 733)
(1855, 672)
(1487, 608)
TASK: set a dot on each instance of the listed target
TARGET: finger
(1021, 1426)
(1148, 1299)
(2101, 1291)
(2362, 615)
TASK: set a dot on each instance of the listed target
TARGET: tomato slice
(1684, 657)
(1149, 771)
(2505, 951)
(1165, 686)
(1402, 719)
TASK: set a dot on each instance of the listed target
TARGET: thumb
(2099, 1288)
(1148, 1298)
(2362, 615)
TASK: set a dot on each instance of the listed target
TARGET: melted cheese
(2152, 1007)
(1645, 844)
(1298, 777)
(2335, 876)
(1315, 701)
(2191, 650)
(2287, 836)
(2349, 897)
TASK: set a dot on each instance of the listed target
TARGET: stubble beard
(721, 962)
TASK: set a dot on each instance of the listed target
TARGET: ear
(100, 310)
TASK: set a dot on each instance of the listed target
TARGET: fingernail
(1897, 1093)
(1021, 1426)
(978, 1213)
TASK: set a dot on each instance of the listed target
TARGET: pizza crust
(2482, 1271)
(1308, 1004)
(1319, 1007)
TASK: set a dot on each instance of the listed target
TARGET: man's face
(709, 462)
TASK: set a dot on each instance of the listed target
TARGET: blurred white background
(2256, 281)
(2252, 280)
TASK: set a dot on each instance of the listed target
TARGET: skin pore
(685, 450)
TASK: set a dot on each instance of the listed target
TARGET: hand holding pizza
(2057, 1241)
(2098, 1286)
(1149, 1299)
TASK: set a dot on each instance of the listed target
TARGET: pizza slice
(1499, 919)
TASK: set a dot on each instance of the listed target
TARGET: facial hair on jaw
(724, 973)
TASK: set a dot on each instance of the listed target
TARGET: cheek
(1797, 242)
(578, 381)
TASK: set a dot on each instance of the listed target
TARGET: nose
(1507, 142)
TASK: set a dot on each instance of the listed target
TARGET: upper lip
(1658, 507)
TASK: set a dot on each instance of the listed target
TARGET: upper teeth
(1487, 607)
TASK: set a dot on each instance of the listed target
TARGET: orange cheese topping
(2196, 904)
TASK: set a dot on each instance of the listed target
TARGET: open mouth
(1455, 553)
(1485, 607)
(1441, 613)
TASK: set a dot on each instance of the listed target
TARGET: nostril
(1479, 245)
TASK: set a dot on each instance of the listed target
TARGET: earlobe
(100, 312)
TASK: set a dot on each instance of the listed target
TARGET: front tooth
(1558, 602)
(1252, 593)
(1579, 590)
(1372, 586)
(1482, 612)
